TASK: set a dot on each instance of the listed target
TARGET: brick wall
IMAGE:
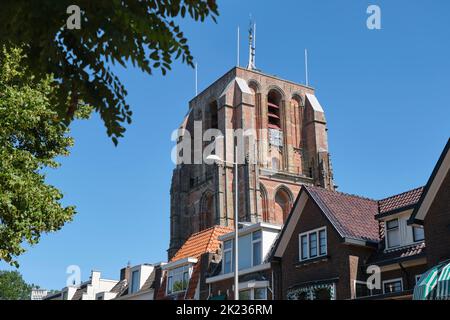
(437, 225)
(341, 258)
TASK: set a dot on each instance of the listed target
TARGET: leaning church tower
(290, 148)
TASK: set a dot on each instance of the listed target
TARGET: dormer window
(227, 256)
(134, 281)
(256, 248)
(251, 252)
(392, 233)
(178, 279)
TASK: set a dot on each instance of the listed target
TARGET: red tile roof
(401, 200)
(352, 216)
(206, 241)
(201, 242)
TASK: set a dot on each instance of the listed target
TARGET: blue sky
(385, 92)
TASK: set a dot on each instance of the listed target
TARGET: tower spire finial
(251, 45)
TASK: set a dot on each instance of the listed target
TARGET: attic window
(392, 233)
(178, 279)
(134, 281)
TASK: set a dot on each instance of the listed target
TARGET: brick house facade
(352, 232)
(348, 239)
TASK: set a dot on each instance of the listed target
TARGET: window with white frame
(178, 279)
(227, 256)
(251, 252)
(313, 244)
(392, 233)
(134, 281)
(256, 248)
(418, 234)
(392, 286)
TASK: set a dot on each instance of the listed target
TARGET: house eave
(179, 263)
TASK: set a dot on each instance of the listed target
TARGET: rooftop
(201, 242)
(353, 216)
(400, 201)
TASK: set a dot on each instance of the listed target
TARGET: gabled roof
(399, 202)
(353, 217)
(121, 288)
(78, 295)
(201, 242)
(440, 171)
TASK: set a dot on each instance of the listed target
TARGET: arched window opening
(264, 204)
(282, 205)
(207, 212)
(297, 116)
(273, 110)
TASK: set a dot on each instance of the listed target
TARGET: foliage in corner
(145, 33)
(13, 287)
(31, 137)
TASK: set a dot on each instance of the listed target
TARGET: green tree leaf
(13, 287)
(31, 138)
(111, 32)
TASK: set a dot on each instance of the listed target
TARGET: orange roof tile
(195, 246)
(201, 242)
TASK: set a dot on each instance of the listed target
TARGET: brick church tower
(290, 149)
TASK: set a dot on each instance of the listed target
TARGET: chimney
(125, 273)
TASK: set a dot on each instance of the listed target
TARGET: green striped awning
(443, 283)
(427, 282)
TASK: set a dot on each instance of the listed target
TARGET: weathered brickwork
(203, 195)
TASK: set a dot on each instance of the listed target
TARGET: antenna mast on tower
(252, 46)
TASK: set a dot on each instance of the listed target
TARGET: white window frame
(231, 249)
(189, 272)
(255, 241)
(307, 234)
(390, 281)
(387, 233)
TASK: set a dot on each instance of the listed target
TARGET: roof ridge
(402, 193)
(216, 226)
(343, 193)
(331, 203)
